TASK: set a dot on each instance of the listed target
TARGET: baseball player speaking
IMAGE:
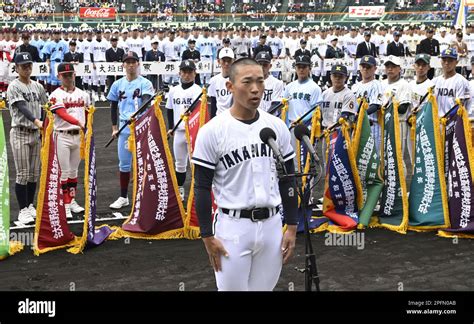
(68, 105)
(245, 244)
(126, 96)
(25, 98)
(180, 98)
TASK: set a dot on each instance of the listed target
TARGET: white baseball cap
(442, 29)
(226, 52)
(394, 60)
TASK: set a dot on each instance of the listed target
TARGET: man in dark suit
(74, 57)
(366, 47)
(261, 47)
(302, 50)
(113, 54)
(396, 48)
(154, 55)
(430, 46)
(192, 54)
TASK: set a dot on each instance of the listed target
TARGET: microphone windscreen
(300, 131)
(267, 133)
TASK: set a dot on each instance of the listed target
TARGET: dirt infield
(379, 260)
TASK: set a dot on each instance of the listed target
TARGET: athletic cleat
(32, 210)
(75, 207)
(102, 98)
(24, 217)
(119, 203)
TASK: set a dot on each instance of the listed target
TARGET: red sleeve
(62, 112)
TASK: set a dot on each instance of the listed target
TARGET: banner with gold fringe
(428, 197)
(7, 247)
(394, 203)
(51, 230)
(91, 236)
(368, 165)
(193, 123)
(459, 170)
(343, 191)
(157, 210)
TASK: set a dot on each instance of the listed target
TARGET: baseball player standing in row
(273, 87)
(68, 105)
(126, 96)
(25, 98)
(422, 83)
(450, 85)
(180, 98)
(245, 244)
(220, 96)
(372, 89)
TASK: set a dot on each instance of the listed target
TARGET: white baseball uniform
(218, 90)
(273, 92)
(448, 90)
(179, 100)
(245, 178)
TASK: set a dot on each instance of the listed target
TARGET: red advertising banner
(97, 13)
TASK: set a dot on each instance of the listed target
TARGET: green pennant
(428, 196)
(368, 165)
(394, 204)
(4, 196)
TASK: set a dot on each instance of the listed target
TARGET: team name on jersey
(222, 92)
(70, 103)
(182, 101)
(327, 104)
(267, 94)
(301, 96)
(31, 96)
(245, 153)
(446, 92)
(136, 94)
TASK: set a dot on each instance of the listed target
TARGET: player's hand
(114, 133)
(215, 250)
(38, 123)
(288, 243)
(81, 125)
(170, 133)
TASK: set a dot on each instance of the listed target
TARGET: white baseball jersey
(273, 92)
(147, 43)
(469, 40)
(241, 46)
(245, 175)
(334, 103)
(218, 89)
(98, 49)
(447, 90)
(418, 91)
(123, 45)
(180, 99)
(350, 44)
(275, 44)
(75, 103)
(402, 93)
(445, 42)
(293, 45)
(206, 46)
(302, 97)
(86, 49)
(372, 90)
(136, 45)
(171, 50)
(470, 108)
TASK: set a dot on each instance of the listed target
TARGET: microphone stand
(310, 270)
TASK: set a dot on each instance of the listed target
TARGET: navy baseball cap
(23, 58)
(187, 65)
(130, 55)
(65, 67)
(368, 59)
(263, 57)
(303, 60)
(339, 69)
(450, 53)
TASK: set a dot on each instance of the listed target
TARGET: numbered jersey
(273, 92)
(180, 100)
(75, 104)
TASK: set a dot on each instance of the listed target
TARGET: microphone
(302, 133)
(268, 136)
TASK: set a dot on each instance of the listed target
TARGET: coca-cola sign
(97, 13)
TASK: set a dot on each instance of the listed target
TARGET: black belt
(26, 129)
(206, 55)
(70, 132)
(254, 214)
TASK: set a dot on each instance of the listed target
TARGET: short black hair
(241, 62)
